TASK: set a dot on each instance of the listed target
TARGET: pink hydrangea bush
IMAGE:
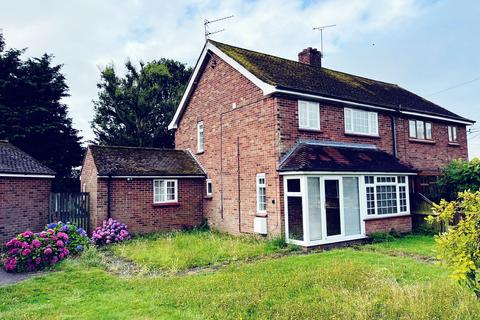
(30, 251)
(111, 231)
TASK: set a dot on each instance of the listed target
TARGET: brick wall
(401, 224)
(88, 183)
(239, 143)
(132, 204)
(23, 205)
(430, 157)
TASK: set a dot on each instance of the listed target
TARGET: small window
(165, 191)
(293, 185)
(200, 146)
(261, 193)
(420, 130)
(308, 115)
(369, 179)
(452, 134)
(209, 187)
(361, 122)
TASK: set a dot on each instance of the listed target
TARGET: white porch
(328, 207)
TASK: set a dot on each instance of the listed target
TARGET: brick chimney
(310, 56)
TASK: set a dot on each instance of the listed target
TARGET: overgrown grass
(419, 245)
(338, 284)
(177, 251)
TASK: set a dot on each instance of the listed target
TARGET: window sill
(310, 130)
(166, 204)
(208, 197)
(386, 216)
(454, 144)
(200, 152)
(421, 141)
(363, 135)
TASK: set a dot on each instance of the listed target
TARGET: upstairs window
(200, 146)
(420, 130)
(165, 191)
(261, 193)
(452, 134)
(361, 122)
(308, 115)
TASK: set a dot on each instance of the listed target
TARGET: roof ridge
(304, 64)
(131, 147)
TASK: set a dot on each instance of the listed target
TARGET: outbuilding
(25, 186)
(149, 189)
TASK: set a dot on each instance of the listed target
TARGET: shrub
(30, 251)
(111, 231)
(459, 176)
(379, 237)
(459, 246)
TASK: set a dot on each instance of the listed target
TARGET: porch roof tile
(337, 158)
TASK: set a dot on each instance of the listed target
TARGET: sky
(429, 47)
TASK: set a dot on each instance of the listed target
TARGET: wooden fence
(70, 207)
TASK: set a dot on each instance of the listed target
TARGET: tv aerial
(321, 34)
(206, 23)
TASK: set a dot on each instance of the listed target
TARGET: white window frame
(156, 189)
(397, 185)
(420, 126)
(305, 116)
(200, 137)
(349, 119)
(208, 182)
(452, 134)
(263, 185)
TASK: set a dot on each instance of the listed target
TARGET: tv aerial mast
(321, 34)
(206, 23)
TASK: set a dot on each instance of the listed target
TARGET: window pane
(428, 130)
(293, 185)
(295, 218)
(386, 199)
(413, 129)
(314, 209)
(420, 130)
(370, 200)
(348, 120)
(313, 115)
(302, 114)
(373, 123)
(351, 205)
(403, 198)
(454, 134)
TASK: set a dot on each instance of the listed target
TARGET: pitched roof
(15, 161)
(295, 76)
(133, 161)
(337, 157)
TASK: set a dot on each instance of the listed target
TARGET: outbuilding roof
(134, 161)
(15, 161)
(337, 157)
(295, 76)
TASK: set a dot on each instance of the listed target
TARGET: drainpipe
(109, 192)
(238, 187)
(394, 130)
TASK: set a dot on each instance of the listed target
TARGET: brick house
(148, 189)
(24, 190)
(320, 156)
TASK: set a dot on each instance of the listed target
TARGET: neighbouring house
(148, 189)
(279, 147)
(24, 191)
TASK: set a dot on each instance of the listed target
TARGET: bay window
(361, 122)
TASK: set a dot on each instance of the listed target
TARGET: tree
(459, 247)
(135, 110)
(31, 112)
(459, 175)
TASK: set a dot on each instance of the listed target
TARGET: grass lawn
(177, 251)
(337, 284)
(416, 245)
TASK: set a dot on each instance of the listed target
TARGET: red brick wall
(429, 157)
(239, 143)
(401, 224)
(88, 183)
(132, 204)
(23, 205)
